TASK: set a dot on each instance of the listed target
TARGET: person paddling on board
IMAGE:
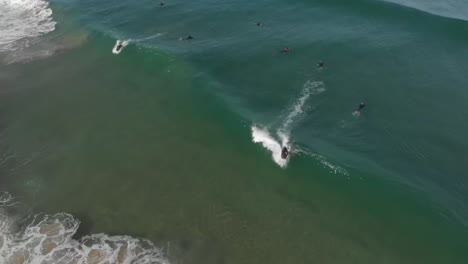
(284, 153)
(259, 24)
(285, 50)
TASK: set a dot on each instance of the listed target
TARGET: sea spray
(262, 136)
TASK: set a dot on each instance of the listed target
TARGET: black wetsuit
(284, 153)
(118, 47)
(321, 64)
(361, 106)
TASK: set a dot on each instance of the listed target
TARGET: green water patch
(136, 144)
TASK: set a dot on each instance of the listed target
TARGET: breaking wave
(48, 239)
(263, 136)
(22, 21)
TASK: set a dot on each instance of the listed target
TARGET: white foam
(128, 41)
(263, 136)
(22, 21)
(48, 239)
(357, 114)
(124, 43)
(284, 132)
(309, 88)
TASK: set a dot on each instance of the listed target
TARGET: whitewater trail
(263, 136)
(124, 43)
(283, 134)
(275, 145)
(157, 35)
(295, 111)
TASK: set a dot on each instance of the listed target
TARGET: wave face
(457, 9)
(22, 21)
(48, 239)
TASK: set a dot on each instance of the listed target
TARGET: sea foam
(48, 238)
(22, 21)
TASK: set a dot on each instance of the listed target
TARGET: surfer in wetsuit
(285, 50)
(118, 47)
(284, 153)
(259, 24)
(361, 106)
(189, 37)
(321, 64)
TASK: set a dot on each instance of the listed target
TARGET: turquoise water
(406, 64)
(177, 141)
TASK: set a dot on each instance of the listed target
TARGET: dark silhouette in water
(285, 50)
(119, 47)
(321, 64)
(361, 107)
(259, 24)
(284, 153)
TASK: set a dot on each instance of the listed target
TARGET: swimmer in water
(259, 24)
(285, 50)
(361, 106)
(189, 37)
(119, 47)
(321, 64)
(284, 153)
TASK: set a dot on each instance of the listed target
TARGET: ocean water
(170, 151)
